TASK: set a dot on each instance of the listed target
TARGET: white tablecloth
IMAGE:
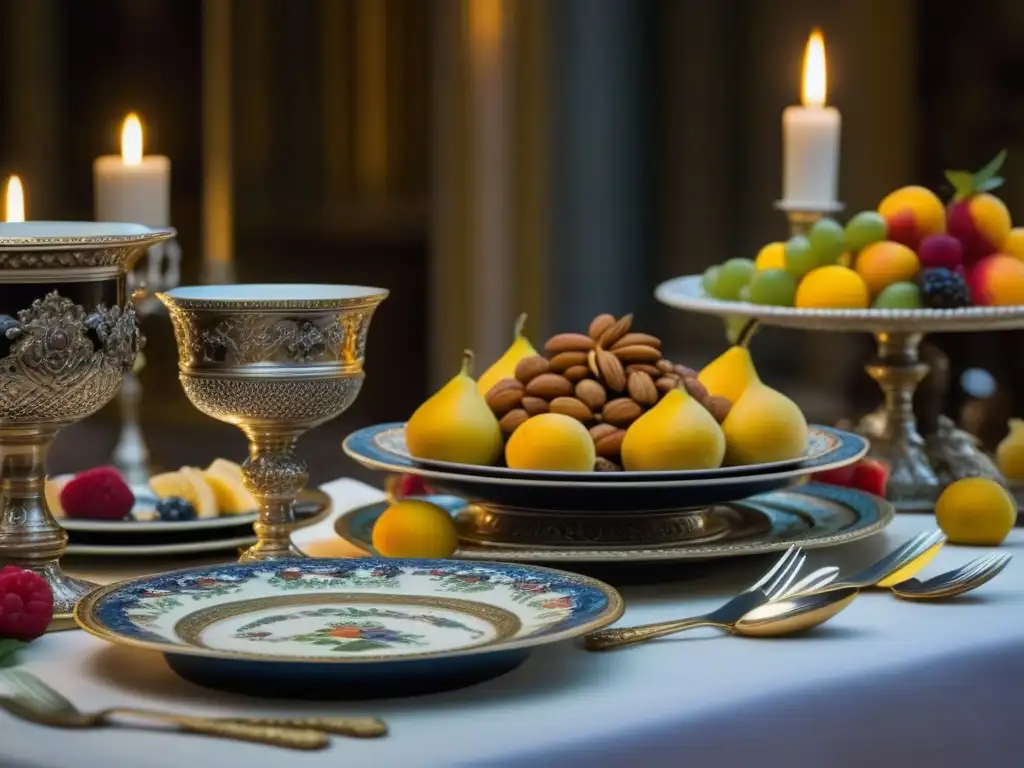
(885, 683)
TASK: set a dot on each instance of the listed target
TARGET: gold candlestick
(802, 216)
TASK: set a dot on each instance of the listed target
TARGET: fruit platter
(598, 439)
(913, 266)
(190, 510)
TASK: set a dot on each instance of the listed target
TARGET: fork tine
(974, 567)
(785, 578)
(782, 562)
(995, 567)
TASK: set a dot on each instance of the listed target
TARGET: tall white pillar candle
(133, 187)
(810, 138)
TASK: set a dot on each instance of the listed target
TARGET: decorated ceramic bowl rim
(807, 468)
(77, 235)
(273, 296)
(828, 435)
(614, 608)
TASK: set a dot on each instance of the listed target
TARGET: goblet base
(257, 552)
(67, 591)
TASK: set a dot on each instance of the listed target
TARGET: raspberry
(842, 477)
(403, 486)
(97, 494)
(26, 604)
(943, 289)
(871, 476)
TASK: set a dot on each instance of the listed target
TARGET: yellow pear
(731, 372)
(455, 424)
(505, 366)
(677, 433)
(763, 426)
(1010, 452)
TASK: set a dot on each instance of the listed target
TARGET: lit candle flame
(131, 140)
(14, 201)
(815, 82)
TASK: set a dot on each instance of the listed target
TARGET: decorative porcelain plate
(355, 628)
(822, 443)
(688, 293)
(143, 537)
(585, 492)
(811, 516)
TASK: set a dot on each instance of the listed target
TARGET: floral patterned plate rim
(822, 442)
(810, 516)
(361, 445)
(348, 611)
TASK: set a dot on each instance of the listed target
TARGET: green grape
(709, 280)
(734, 274)
(899, 296)
(800, 258)
(827, 241)
(865, 228)
(745, 292)
(733, 327)
(773, 287)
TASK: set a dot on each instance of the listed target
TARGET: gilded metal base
(920, 468)
(490, 525)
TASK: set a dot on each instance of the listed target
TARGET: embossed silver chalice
(275, 361)
(68, 335)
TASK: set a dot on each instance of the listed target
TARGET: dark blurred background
(480, 158)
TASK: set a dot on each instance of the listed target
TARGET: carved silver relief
(62, 362)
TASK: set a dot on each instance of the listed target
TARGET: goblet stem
(275, 476)
(893, 430)
(29, 536)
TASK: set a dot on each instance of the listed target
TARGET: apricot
(913, 213)
(551, 442)
(997, 281)
(1014, 244)
(981, 223)
(882, 264)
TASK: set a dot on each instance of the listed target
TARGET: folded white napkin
(320, 540)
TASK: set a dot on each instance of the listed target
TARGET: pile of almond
(605, 378)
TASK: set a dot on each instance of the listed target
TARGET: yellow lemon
(976, 511)
(832, 287)
(415, 529)
(772, 256)
(225, 480)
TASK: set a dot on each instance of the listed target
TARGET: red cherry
(841, 477)
(871, 476)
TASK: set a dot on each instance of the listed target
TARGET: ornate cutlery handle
(290, 738)
(606, 639)
(360, 727)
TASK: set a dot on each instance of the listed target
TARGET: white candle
(14, 201)
(810, 138)
(133, 187)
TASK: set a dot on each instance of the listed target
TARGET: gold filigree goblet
(275, 361)
(68, 335)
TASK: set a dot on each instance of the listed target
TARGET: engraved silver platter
(68, 336)
(920, 466)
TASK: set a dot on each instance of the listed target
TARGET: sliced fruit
(169, 484)
(187, 483)
(232, 496)
(53, 489)
(226, 468)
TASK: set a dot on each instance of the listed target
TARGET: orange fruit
(414, 528)
(1014, 245)
(772, 256)
(884, 263)
(832, 287)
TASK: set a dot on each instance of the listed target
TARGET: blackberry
(942, 288)
(175, 510)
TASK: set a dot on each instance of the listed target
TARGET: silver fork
(969, 576)
(899, 558)
(773, 583)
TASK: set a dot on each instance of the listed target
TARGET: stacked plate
(139, 536)
(615, 511)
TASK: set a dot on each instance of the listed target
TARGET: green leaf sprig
(966, 183)
(9, 651)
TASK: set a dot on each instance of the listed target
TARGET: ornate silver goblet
(275, 361)
(68, 335)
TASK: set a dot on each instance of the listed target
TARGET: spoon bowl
(795, 614)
